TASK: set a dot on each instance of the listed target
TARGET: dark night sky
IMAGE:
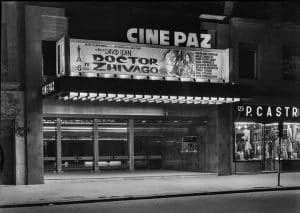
(109, 20)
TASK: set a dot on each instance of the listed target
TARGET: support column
(131, 144)
(58, 145)
(210, 155)
(224, 138)
(96, 146)
(41, 23)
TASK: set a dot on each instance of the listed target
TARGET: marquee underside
(144, 91)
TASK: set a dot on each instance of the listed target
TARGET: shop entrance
(76, 140)
(171, 143)
(158, 143)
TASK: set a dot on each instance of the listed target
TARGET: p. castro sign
(76, 57)
(267, 112)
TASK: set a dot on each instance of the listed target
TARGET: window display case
(189, 144)
(256, 141)
(291, 141)
(248, 141)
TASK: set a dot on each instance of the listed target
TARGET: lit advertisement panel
(116, 59)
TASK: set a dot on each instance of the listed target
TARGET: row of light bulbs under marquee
(133, 98)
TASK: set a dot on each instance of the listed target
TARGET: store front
(134, 106)
(256, 138)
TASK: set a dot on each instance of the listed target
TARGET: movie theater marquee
(76, 57)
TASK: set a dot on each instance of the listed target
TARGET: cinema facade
(162, 99)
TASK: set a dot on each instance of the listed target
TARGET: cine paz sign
(166, 37)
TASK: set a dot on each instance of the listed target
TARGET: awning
(152, 91)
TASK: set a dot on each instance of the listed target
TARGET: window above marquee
(290, 63)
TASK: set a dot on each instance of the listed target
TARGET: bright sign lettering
(257, 111)
(164, 37)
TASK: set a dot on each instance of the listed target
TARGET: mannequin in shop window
(293, 135)
(271, 144)
(284, 149)
(296, 145)
(248, 146)
(291, 130)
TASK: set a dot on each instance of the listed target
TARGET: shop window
(291, 63)
(247, 61)
(290, 147)
(248, 141)
(254, 141)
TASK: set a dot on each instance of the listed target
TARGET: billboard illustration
(103, 57)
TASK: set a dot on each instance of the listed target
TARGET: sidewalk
(89, 187)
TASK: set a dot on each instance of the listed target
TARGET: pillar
(41, 23)
(224, 138)
(96, 146)
(58, 145)
(210, 153)
(131, 144)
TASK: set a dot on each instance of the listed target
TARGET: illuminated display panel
(256, 141)
(90, 58)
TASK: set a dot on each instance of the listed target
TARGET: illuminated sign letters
(163, 37)
(257, 111)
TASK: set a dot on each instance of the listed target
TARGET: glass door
(113, 143)
(49, 147)
(77, 144)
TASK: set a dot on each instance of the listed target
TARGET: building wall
(12, 86)
(23, 28)
(271, 37)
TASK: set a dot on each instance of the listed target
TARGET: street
(264, 202)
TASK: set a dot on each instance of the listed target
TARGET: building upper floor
(265, 46)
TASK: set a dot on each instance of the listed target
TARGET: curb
(144, 197)
(82, 179)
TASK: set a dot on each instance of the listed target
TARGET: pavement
(85, 187)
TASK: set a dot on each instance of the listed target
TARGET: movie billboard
(102, 57)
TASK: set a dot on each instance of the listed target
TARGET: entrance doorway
(158, 143)
(77, 140)
(171, 143)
